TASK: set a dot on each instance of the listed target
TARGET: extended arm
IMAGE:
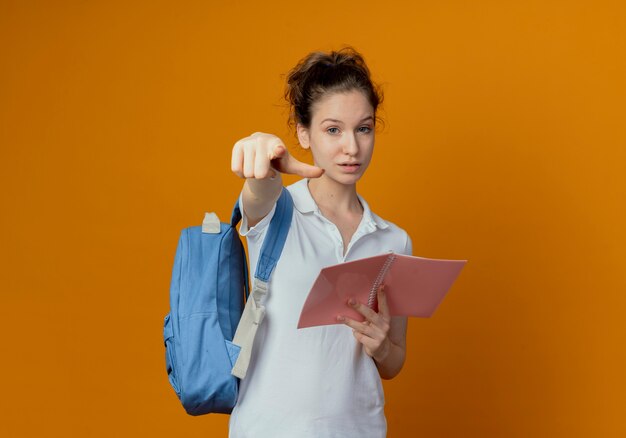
(261, 158)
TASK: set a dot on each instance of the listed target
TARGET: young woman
(320, 381)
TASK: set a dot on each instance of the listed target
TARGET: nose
(350, 144)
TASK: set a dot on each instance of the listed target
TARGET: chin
(346, 179)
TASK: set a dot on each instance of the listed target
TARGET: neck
(335, 197)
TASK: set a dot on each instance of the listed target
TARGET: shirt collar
(304, 203)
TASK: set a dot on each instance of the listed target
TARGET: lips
(350, 167)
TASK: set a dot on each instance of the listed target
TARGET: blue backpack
(208, 332)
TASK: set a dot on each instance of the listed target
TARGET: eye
(333, 130)
(365, 129)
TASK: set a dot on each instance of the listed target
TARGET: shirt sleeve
(408, 245)
(257, 230)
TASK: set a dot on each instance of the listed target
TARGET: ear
(303, 136)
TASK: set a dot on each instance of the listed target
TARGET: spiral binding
(379, 279)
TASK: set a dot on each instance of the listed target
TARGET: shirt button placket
(338, 239)
(334, 231)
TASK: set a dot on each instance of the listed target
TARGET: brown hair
(319, 73)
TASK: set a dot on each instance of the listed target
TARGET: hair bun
(319, 73)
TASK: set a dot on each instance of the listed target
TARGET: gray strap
(252, 316)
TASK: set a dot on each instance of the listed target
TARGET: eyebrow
(339, 121)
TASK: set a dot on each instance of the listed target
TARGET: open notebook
(414, 287)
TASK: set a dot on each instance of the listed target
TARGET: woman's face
(341, 135)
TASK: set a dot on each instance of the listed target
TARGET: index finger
(277, 151)
(292, 165)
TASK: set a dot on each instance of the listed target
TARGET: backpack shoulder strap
(254, 312)
(276, 235)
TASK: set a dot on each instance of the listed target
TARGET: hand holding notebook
(414, 286)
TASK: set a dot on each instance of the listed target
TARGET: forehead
(350, 106)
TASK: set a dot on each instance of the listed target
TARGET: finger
(237, 159)
(361, 337)
(371, 345)
(383, 305)
(356, 325)
(293, 166)
(278, 151)
(261, 165)
(364, 310)
(248, 160)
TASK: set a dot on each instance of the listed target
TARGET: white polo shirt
(316, 382)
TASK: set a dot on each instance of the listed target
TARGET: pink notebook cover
(414, 287)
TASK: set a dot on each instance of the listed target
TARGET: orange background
(505, 144)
